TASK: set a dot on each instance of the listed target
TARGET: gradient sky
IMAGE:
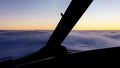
(45, 15)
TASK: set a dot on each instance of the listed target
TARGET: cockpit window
(26, 25)
(98, 28)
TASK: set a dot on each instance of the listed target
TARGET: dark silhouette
(69, 19)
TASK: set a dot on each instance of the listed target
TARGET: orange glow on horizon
(77, 27)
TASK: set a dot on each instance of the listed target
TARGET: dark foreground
(101, 57)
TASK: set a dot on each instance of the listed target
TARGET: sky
(45, 15)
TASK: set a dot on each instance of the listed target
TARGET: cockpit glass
(98, 28)
(26, 25)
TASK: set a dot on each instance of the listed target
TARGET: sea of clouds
(15, 44)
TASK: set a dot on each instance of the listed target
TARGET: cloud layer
(20, 43)
(89, 40)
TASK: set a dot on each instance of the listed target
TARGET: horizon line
(52, 30)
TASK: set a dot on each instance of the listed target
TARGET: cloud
(18, 43)
(113, 35)
(81, 41)
(21, 43)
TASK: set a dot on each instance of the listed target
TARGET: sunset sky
(45, 15)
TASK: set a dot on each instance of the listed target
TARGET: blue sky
(45, 14)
